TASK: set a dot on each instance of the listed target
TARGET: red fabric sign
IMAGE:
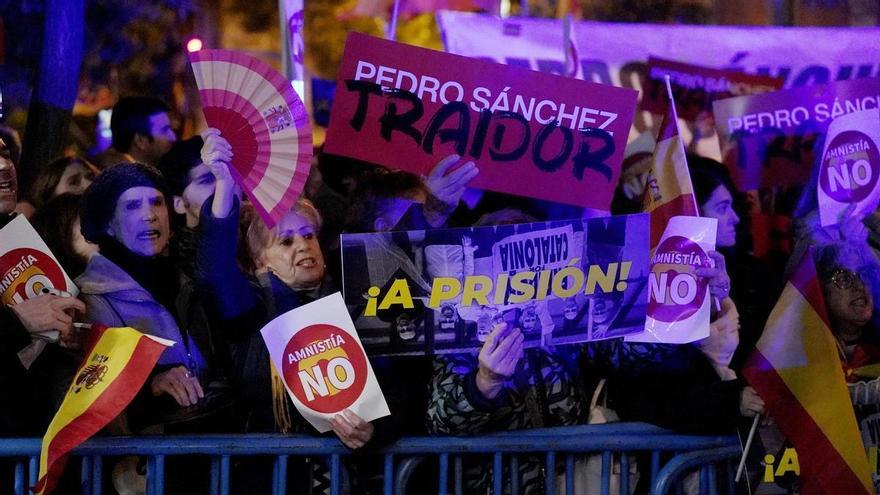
(531, 134)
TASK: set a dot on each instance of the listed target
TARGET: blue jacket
(115, 299)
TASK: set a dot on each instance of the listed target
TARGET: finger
(210, 131)
(707, 272)
(459, 184)
(176, 390)
(443, 165)
(198, 387)
(65, 319)
(718, 258)
(356, 421)
(345, 429)
(491, 341)
(65, 303)
(189, 392)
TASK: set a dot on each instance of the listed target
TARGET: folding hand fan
(258, 112)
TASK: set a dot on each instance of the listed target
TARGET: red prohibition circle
(317, 346)
(20, 265)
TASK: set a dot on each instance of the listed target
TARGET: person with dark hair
(134, 282)
(142, 128)
(69, 174)
(57, 222)
(33, 386)
(693, 387)
(718, 198)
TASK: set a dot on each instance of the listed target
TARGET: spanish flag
(118, 362)
(669, 191)
(795, 368)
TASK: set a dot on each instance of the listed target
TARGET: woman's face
(80, 245)
(75, 179)
(720, 206)
(849, 301)
(294, 255)
(140, 221)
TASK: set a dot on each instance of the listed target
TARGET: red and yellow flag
(795, 368)
(118, 362)
(669, 191)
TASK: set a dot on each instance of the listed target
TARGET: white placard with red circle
(849, 167)
(316, 350)
(27, 266)
(679, 302)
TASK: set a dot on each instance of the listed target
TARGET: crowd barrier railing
(663, 457)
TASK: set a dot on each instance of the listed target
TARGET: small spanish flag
(669, 191)
(795, 368)
(118, 362)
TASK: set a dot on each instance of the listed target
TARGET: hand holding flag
(118, 362)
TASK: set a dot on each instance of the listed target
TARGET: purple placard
(694, 87)
(767, 140)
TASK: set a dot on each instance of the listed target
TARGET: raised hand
(445, 189)
(498, 359)
(217, 156)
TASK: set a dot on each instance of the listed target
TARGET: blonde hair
(259, 237)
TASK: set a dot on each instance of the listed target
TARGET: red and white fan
(258, 112)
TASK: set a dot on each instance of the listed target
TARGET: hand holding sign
(317, 352)
(351, 429)
(498, 359)
(48, 313)
(717, 277)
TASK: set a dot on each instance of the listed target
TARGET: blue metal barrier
(613, 442)
(707, 461)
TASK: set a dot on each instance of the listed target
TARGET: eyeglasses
(845, 279)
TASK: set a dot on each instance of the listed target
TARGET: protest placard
(317, 352)
(679, 302)
(768, 139)
(27, 268)
(694, 87)
(531, 134)
(442, 291)
(849, 166)
(616, 53)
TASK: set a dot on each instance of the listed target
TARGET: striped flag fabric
(669, 192)
(796, 370)
(118, 362)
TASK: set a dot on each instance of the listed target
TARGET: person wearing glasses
(847, 272)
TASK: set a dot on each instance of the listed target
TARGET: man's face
(406, 327)
(160, 139)
(200, 188)
(8, 181)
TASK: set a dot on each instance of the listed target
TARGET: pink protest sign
(767, 140)
(532, 134)
(694, 88)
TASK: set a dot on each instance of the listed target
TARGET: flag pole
(391, 33)
(748, 446)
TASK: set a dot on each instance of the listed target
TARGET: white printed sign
(849, 166)
(317, 352)
(27, 268)
(679, 302)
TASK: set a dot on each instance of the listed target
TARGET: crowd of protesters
(160, 238)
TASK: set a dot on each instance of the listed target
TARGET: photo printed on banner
(441, 291)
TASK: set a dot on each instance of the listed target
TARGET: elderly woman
(135, 282)
(289, 271)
